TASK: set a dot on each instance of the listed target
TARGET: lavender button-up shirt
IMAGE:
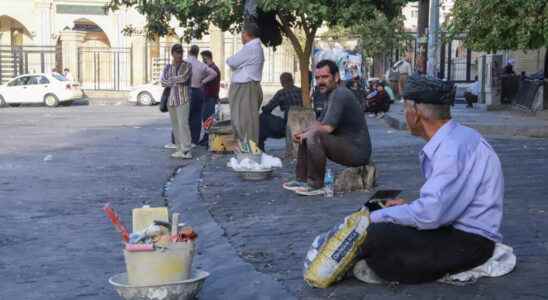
(464, 186)
(201, 73)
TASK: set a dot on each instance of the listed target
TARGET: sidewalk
(504, 122)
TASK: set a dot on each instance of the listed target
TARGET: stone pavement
(231, 276)
(272, 229)
(502, 122)
(57, 168)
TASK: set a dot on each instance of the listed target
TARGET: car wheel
(145, 99)
(2, 102)
(51, 100)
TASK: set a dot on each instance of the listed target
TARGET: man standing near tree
(245, 93)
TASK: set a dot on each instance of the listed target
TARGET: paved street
(59, 166)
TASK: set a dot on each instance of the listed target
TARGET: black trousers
(195, 116)
(314, 152)
(470, 99)
(270, 126)
(407, 255)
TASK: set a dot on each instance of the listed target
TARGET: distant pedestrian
(211, 91)
(377, 102)
(245, 93)
(405, 71)
(67, 74)
(201, 74)
(509, 67)
(472, 93)
(176, 76)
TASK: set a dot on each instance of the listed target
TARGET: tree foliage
(380, 34)
(491, 25)
(291, 17)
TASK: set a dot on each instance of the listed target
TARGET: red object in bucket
(115, 219)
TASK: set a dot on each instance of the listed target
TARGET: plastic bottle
(328, 183)
(217, 113)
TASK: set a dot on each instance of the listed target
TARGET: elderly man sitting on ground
(341, 135)
(454, 224)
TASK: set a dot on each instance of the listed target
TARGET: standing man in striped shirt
(245, 93)
(176, 76)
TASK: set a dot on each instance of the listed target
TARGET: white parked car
(151, 93)
(146, 94)
(50, 89)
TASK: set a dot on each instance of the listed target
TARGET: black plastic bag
(164, 99)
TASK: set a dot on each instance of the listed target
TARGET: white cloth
(474, 88)
(405, 68)
(247, 64)
(501, 263)
(267, 163)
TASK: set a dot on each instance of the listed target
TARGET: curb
(503, 130)
(231, 276)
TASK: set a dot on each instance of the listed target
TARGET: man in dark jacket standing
(211, 91)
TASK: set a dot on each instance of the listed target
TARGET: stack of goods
(157, 251)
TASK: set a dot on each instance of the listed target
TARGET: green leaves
(491, 25)
(378, 33)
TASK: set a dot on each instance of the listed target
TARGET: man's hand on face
(394, 202)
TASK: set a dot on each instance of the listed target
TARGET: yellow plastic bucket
(160, 266)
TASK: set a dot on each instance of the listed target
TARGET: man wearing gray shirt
(201, 74)
(341, 135)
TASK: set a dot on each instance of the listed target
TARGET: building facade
(81, 35)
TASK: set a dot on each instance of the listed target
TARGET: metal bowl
(179, 290)
(255, 175)
(253, 157)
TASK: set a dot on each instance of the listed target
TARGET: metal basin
(255, 175)
(180, 290)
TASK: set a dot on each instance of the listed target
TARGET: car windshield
(59, 77)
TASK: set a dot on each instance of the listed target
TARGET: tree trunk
(304, 65)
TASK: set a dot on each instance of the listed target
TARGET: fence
(457, 63)
(105, 68)
(18, 60)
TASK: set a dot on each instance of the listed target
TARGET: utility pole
(433, 39)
